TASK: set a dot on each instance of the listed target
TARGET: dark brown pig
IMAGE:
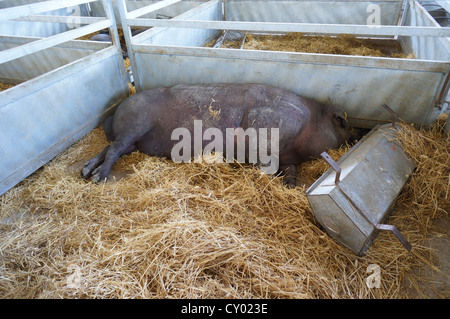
(149, 121)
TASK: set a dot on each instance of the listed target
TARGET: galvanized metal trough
(63, 87)
(173, 52)
(355, 196)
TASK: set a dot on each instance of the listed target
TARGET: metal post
(122, 8)
(116, 42)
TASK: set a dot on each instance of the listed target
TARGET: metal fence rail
(63, 87)
(172, 51)
(296, 27)
(26, 12)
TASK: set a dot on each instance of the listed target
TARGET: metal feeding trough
(354, 197)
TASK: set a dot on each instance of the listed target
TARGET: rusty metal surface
(353, 206)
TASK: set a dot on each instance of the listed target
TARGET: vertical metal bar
(224, 10)
(334, 165)
(397, 234)
(443, 91)
(107, 7)
(404, 12)
(122, 7)
(387, 108)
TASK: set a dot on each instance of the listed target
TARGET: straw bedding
(4, 86)
(165, 230)
(343, 44)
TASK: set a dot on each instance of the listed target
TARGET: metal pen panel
(358, 89)
(67, 87)
(414, 87)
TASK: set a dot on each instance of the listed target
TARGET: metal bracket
(367, 216)
(387, 108)
(397, 234)
(334, 165)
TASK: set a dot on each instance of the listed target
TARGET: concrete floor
(438, 284)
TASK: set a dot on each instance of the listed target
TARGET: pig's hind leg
(121, 146)
(100, 166)
(93, 163)
(289, 173)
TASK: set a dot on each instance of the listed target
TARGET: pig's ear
(341, 120)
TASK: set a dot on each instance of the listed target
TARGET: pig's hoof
(290, 182)
(87, 169)
(97, 176)
(86, 172)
